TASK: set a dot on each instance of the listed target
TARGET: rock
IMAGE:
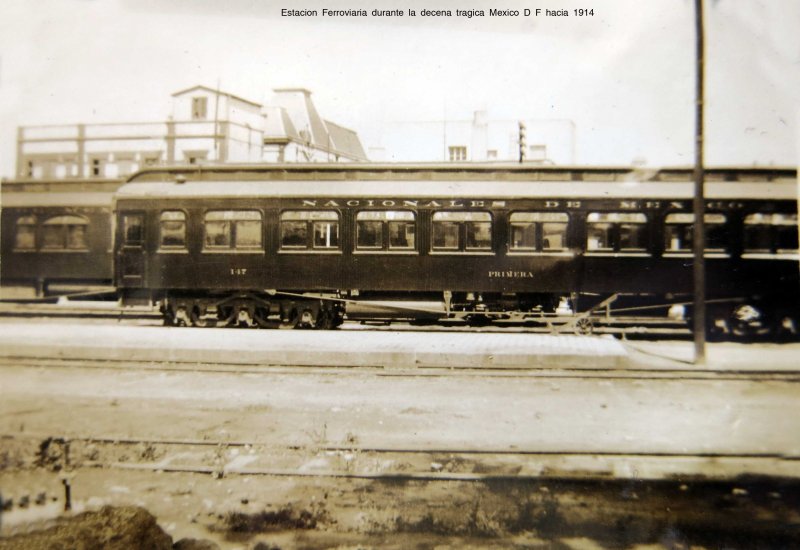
(108, 528)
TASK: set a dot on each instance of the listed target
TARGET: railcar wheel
(225, 315)
(584, 326)
(261, 317)
(168, 316)
(785, 327)
(748, 321)
(199, 319)
(307, 319)
(289, 320)
(244, 317)
(325, 320)
(182, 319)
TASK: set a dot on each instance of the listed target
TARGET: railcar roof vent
(180, 178)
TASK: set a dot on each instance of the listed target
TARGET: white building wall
(245, 114)
(485, 139)
(201, 148)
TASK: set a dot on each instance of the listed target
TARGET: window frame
(685, 221)
(457, 153)
(200, 107)
(124, 240)
(33, 224)
(615, 220)
(538, 220)
(60, 221)
(233, 246)
(385, 219)
(461, 219)
(311, 220)
(773, 222)
(170, 248)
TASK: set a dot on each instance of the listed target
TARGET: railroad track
(684, 373)
(75, 310)
(221, 458)
(107, 310)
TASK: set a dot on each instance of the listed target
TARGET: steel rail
(547, 469)
(412, 371)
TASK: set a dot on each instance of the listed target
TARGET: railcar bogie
(250, 309)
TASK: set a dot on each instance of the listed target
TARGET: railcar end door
(130, 256)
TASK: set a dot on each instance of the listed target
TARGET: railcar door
(130, 254)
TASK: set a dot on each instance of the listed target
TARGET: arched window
(65, 233)
(233, 229)
(616, 232)
(385, 230)
(172, 229)
(770, 233)
(310, 229)
(679, 232)
(462, 232)
(25, 236)
(538, 231)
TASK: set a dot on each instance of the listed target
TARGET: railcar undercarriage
(737, 318)
(252, 310)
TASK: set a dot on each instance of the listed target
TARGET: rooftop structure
(206, 125)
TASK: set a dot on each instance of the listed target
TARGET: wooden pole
(699, 200)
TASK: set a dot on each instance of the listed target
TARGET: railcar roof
(454, 189)
(34, 198)
(447, 171)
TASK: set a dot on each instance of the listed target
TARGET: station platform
(345, 348)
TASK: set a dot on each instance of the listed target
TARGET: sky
(624, 77)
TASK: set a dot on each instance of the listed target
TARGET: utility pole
(216, 124)
(699, 239)
(522, 142)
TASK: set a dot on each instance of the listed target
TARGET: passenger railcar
(53, 241)
(471, 243)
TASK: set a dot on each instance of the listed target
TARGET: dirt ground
(307, 495)
(245, 511)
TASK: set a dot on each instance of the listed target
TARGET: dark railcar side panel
(32, 267)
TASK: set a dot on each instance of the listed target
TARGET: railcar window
(770, 233)
(294, 234)
(544, 231)
(369, 227)
(64, 233)
(382, 230)
(631, 236)
(445, 235)
(326, 235)
(25, 238)
(172, 226)
(233, 229)
(786, 234)
(132, 229)
(679, 231)
(479, 235)
(307, 229)
(616, 232)
(462, 231)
